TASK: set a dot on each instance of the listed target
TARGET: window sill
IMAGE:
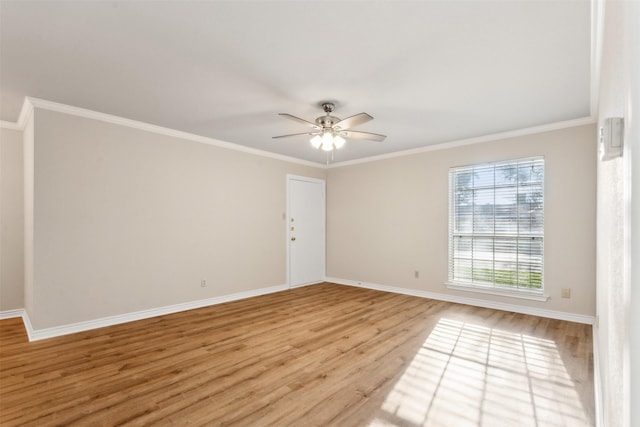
(534, 296)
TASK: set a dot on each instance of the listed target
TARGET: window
(496, 225)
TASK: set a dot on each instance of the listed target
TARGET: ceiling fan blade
(363, 135)
(296, 134)
(352, 121)
(299, 120)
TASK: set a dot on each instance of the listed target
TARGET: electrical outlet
(203, 283)
(416, 274)
(566, 292)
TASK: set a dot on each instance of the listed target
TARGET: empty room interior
(320, 213)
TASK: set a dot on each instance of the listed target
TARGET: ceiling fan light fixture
(327, 141)
(316, 141)
(329, 132)
(327, 137)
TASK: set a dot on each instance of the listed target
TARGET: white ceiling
(427, 71)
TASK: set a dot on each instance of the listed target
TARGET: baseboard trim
(9, 314)
(56, 331)
(560, 315)
(19, 312)
(306, 284)
(40, 334)
(27, 325)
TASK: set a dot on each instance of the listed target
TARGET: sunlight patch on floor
(471, 375)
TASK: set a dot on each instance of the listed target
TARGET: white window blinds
(496, 225)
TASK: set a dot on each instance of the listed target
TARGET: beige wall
(618, 266)
(11, 221)
(388, 218)
(28, 165)
(127, 220)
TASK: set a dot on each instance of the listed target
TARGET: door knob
(293, 238)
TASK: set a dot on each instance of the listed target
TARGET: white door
(305, 230)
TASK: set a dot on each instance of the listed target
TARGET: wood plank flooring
(315, 356)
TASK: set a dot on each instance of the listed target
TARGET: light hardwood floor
(320, 355)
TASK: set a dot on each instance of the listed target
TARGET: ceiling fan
(329, 132)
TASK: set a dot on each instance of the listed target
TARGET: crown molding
(475, 140)
(25, 113)
(30, 103)
(10, 125)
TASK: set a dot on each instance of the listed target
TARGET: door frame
(291, 177)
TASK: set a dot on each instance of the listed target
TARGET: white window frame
(485, 287)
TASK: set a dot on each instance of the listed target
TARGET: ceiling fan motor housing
(327, 121)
